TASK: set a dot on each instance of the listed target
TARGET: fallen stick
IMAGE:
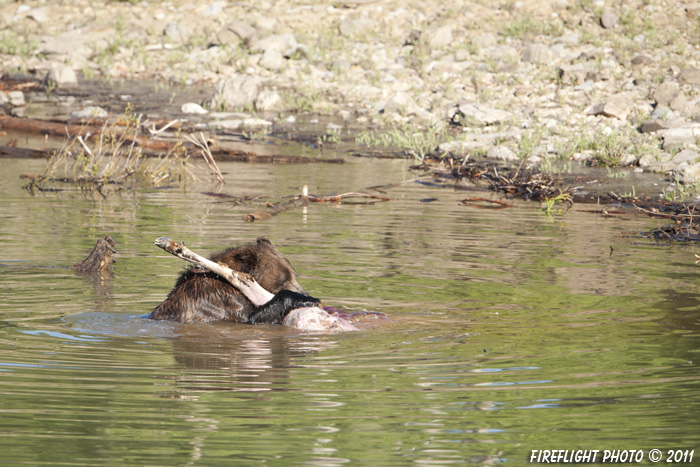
(304, 199)
(306, 318)
(299, 201)
(266, 214)
(472, 202)
(339, 198)
(45, 127)
(236, 155)
(24, 153)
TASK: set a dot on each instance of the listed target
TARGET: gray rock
(40, 15)
(615, 107)
(341, 65)
(267, 100)
(680, 136)
(687, 155)
(193, 108)
(233, 124)
(572, 74)
(76, 46)
(537, 53)
(267, 23)
(586, 86)
(401, 103)
(235, 92)
(90, 112)
(689, 76)
(16, 99)
(254, 122)
(480, 114)
(652, 125)
(570, 38)
(224, 36)
(608, 20)
(674, 144)
(228, 115)
(286, 44)
(438, 38)
(642, 59)
(484, 41)
(687, 173)
(662, 112)
(235, 32)
(659, 167)
(646, 160)
(176, 32)
(503, 53)
(627, 159)
(584, 156)
(353, 28)
(214, 9)
(3, 98)
(690, 130)
(273, 60)
(461, 147)
(666, 92)
(502, 153)
(61, 75)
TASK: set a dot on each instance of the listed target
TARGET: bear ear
(263, 240)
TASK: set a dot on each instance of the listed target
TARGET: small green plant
(524, 26)
(630, 194)
(303, 100)
(549, 203)
(528, 142)
(416, 142)
(620, 174)
(680, 192)
(255, 135)
(20, 45)
(332, 136)
(608, 150)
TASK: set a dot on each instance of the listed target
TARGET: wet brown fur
(200, 296)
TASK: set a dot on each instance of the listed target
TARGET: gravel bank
(616, 83)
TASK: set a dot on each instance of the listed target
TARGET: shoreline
(553, 82)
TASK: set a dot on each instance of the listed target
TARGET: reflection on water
(509, 331)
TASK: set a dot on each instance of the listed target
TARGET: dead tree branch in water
(472, 202)
(339, 199)
(100, 259)
(304, 199)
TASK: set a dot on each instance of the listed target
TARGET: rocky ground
(616, 83)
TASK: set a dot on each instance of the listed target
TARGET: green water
(509, 331)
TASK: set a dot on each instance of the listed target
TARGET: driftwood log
(151, 147)
(306, 318)
(45, 127)
(100, 259)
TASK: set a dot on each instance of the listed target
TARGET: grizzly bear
(203, 296)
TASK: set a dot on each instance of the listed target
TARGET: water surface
(510, 331)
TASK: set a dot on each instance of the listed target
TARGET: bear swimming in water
(202, 296)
